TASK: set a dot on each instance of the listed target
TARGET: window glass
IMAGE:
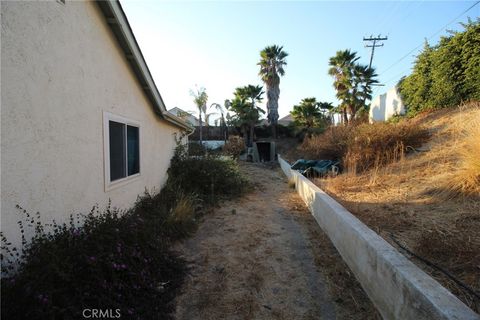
(117, 150)
(133, 150)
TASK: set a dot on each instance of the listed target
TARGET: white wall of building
(61, 69)
(386, 105)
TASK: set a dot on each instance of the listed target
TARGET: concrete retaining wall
(398, 288)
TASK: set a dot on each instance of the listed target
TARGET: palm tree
(247, 114)
(271, 68)
(252, 94)
(328, 110)
(341, 66)
(352, 81)
(220, 109)
(307, 113)
(200, 99)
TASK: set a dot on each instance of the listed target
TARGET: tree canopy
(446, 74)
(309, 113)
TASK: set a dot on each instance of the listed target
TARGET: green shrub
(196, 149)
(114, 260)
(211, 178)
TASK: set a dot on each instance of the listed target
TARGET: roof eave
(118, 23)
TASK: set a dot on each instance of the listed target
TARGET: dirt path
(254, 258)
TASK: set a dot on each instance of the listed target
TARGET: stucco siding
(61, 69)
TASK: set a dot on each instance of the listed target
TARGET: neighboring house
(185, 115)
(81, 120)
(386, 105)
(285, 121)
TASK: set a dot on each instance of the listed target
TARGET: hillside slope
(411, 201)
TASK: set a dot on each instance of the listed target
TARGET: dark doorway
(264, 151)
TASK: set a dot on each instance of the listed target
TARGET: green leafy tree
(446, 74)
(272, 62)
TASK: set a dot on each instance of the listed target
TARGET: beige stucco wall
(61, 69)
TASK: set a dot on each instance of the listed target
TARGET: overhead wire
(429, 38)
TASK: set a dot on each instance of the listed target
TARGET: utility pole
(374, 45)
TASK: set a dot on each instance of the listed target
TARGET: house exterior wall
(61, 70)
(386, 105)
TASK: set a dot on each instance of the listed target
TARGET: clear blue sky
(216, 44)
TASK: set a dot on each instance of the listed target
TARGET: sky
(217, 44)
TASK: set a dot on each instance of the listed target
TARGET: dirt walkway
(254, 258)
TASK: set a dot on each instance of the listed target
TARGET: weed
(365, 146)
(234, 146)
(466, 177)
(291, 183)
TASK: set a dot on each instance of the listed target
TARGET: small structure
(186, 116)
(285, 121)
(263, 151)
(386, 105)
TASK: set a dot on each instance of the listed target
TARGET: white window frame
(107, 117)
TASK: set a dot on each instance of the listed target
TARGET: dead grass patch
(419, 201)
(366, 146)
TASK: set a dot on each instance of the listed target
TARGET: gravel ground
(264, 257)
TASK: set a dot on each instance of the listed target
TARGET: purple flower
(93, 259)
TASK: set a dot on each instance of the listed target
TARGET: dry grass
(366, 146)
(466, 179)
(182, 215)
(291, 183)
(407, 198)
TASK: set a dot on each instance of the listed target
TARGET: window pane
(117, 150)
(133, 147)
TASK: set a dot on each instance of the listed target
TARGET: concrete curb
(397, 288)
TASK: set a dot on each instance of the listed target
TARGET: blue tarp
(315, 167)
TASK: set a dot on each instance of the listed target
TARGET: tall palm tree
(341, 69)
(220, 109)
(200, 99)
(352, 81)
(272, 62)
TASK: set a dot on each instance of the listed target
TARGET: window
(122, 148)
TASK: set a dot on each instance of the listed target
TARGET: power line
(433, 35)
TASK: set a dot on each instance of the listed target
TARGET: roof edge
(118, 23)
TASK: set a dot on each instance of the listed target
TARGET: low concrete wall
(398, 288)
